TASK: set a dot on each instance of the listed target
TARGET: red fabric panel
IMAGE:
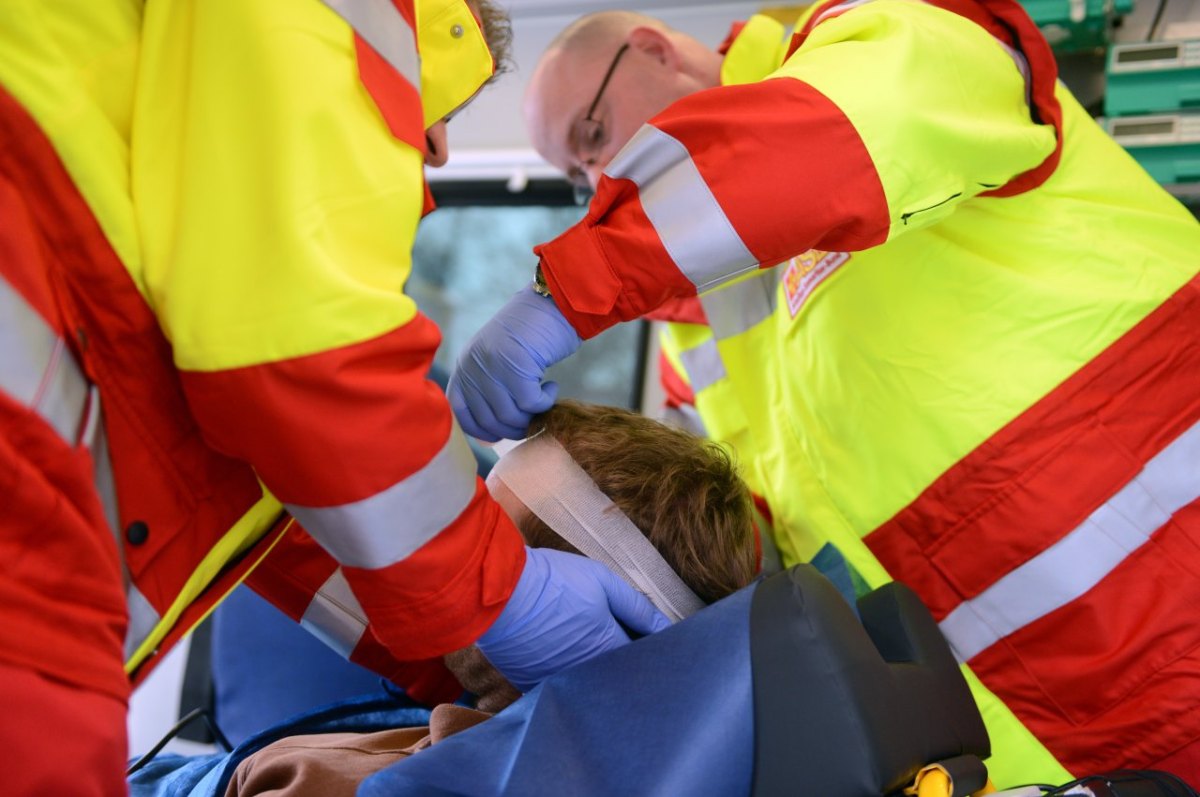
(685, 309)
(166, 476)
(398, 101)
(19, 244)
(407, 9)
(1143, 391)
(612, 266)
(1113, 678)
(735, 30)
(1184, 763)
(420, 608)
(589, 268)
(1074, 472)
(832, 177)
(427, 681)
(58, 739)
(292, 572)
(289, 578)
(62, 609)
(429, 203)
(334, 427)
(763, 507)
(678, 392)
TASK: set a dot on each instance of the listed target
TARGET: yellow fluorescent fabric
(1017, 756)
(455, 61)
(311, 254)
(73, 66)
(1040, 284)
(248, 530)
(910, 355)
(973, 131)
(757, 50)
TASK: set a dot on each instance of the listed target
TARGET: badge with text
(805, 272)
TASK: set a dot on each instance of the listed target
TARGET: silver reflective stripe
(335, 616)
(684, 417)
(703, 365)
(142, 620)
(381, 26)
(689, 221)
(387, 527)
(96, 440)
(36, 368)
(837, 9)
(734, 309)
(1079, 561)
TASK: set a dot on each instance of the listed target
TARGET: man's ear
(655, 43)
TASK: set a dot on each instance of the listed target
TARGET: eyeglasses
(591, 137)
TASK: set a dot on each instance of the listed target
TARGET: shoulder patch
(805, 272)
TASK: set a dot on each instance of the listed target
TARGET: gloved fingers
(497, 410)
(462, 410)
(631, 607)
(517, 393)
(535, 397)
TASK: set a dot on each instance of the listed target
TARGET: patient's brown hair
(682, 491)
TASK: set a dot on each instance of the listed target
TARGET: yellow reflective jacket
(984, 295)
(255, 171)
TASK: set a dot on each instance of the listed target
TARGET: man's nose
(437, 152)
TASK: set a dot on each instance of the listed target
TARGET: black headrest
(845, 708)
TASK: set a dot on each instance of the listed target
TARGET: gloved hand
(496, 387)
(563, 611)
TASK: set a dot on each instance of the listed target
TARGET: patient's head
(681, 491)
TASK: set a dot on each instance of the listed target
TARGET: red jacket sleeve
(278, 199)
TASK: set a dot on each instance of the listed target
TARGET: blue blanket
(671, 713)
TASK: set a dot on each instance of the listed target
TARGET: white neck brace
(546, 479)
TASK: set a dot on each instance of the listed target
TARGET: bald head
(601, 29)
(578, 122)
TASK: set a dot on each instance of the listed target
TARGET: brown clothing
(333, 764)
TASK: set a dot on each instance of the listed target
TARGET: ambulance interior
(497, 199)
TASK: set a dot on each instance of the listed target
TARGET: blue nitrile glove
(496, 387)
(563, 611)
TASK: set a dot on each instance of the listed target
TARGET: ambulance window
(476, 250)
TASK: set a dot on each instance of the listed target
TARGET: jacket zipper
(906, 216)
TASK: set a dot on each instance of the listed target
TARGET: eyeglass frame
(583, 192)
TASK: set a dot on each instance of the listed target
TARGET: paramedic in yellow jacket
(206, 215)
(962, 326)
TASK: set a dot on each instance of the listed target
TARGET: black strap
(198, 691)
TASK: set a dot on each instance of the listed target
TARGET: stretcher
(719, 704)
(779, 689)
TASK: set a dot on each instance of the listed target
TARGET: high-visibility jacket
(208, 210)
(981, 375)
